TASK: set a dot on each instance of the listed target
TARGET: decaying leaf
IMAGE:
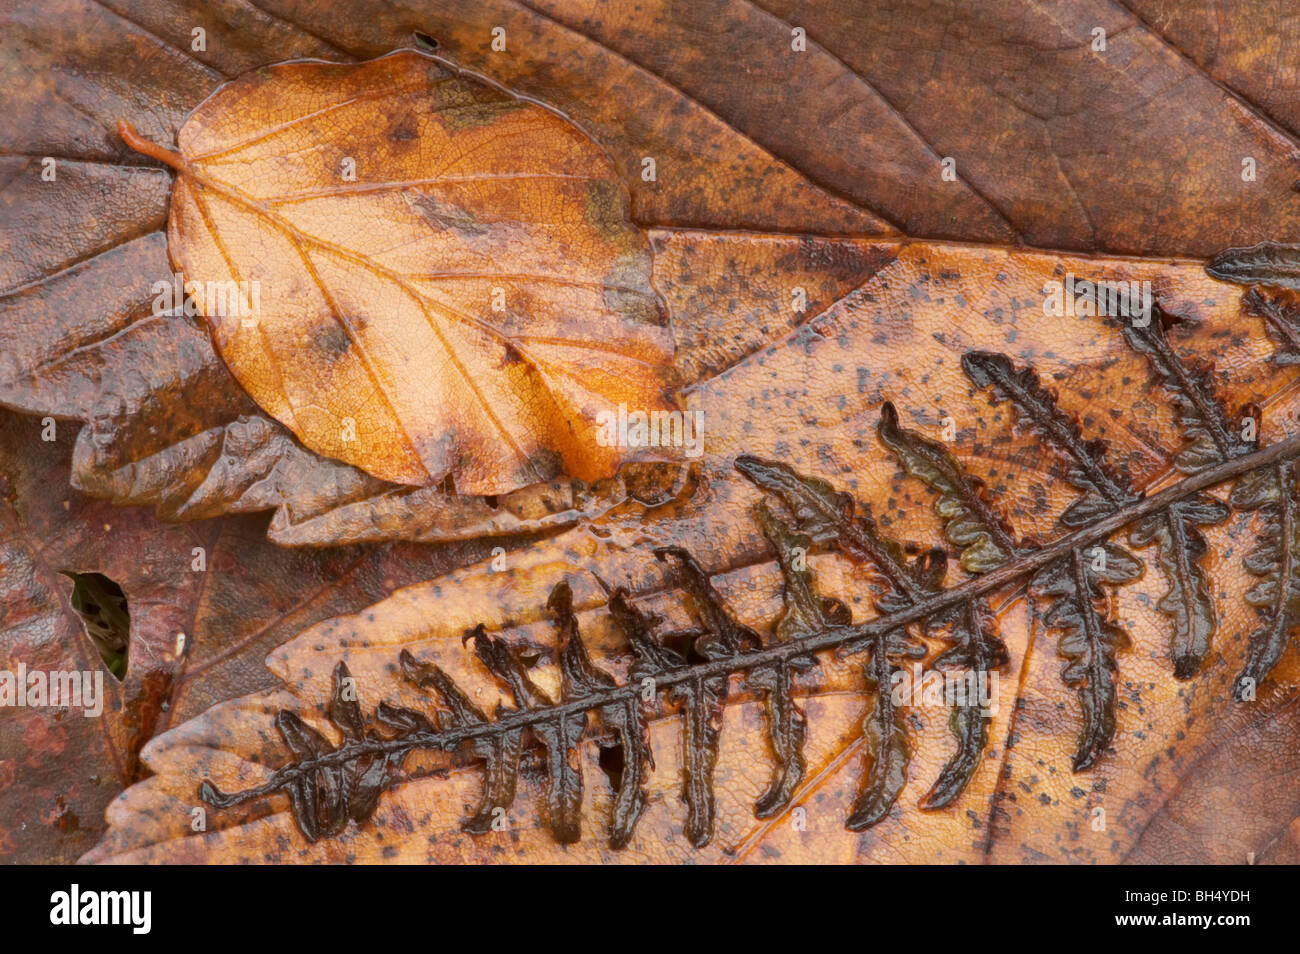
(909, 471)
(1107, 718)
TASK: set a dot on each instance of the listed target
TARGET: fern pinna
(1071, 575)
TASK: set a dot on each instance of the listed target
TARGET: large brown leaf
(1052, 782)
(879, 141)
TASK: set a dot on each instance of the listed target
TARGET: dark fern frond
(330, 793)
(1077, 606)
(818, 509)
(828, 516)
(1268, 263)
(702, 697)
(805, 612)
(723, 635)
(1102, 490)
(331, 784)
(652, 657)
(972, 523)
(977, 649)
(1181, 547)
(985, 542)
(498, 751)
(1281, 315)
(884, 733)
(623, 718)
(1211, 436)
(1276, 561)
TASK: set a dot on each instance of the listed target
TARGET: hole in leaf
(683, 642)
(424, 41)
(611, 760)
(102, 606)
(491, 501)
(1169, 320)
(530, 655)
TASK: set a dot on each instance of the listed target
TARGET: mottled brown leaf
(1023, 798)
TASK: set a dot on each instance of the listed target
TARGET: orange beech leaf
(417, 272)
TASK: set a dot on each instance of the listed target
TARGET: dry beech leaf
(449, 281)
(777, 610)
(233, 595)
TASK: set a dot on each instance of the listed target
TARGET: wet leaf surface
(777, 171)
(879, 150)
(1024, 801)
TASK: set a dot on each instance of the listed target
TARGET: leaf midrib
(252, 206)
